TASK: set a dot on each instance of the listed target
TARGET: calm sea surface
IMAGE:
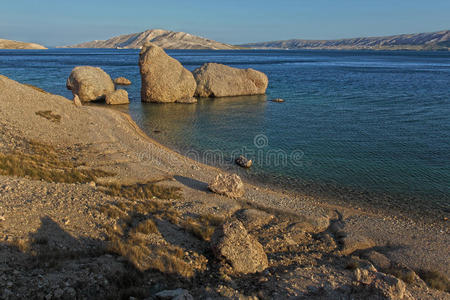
(356, 125)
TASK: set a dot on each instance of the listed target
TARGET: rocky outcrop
(117, 97)
(90, 83)
(164, 79)
(7, 44)
(228, 185)
(122, 81)
(245, 254)
(216, 80)
(163, 38)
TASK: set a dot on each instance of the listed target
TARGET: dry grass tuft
(47, 114)
(407, 276)
(140, 191)
(204, 226)
(42, 162)
(436, 280)
(139, 239)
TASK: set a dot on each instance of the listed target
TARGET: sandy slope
(109, 140)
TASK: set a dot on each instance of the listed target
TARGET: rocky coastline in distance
(166, 39)
(9, 44)
(431, 41)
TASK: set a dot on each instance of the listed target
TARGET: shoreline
(299, 242)
(335, 196)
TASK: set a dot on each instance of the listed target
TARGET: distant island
(162, 38)
(8, 44)
(420, 41)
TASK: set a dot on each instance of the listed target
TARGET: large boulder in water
(164, 79)
(117, 97)
(90, 83)
(216, 80)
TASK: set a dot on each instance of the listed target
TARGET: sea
(360, 127)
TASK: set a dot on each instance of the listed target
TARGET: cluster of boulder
(165, 80)
(93, 84)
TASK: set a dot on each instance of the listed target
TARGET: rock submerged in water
(217, 80)
(228, 185)
(244, 162)
(90, 83)
(122, 81)
(164, 79)
(232, 242)
(117, 97)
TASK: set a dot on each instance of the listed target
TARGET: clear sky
(62, 22)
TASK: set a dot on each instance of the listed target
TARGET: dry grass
(42, 162)
(146, 227)
(140, 191)
(139, 239)
(436, 280)
(166, 258)
(47, 114)
(407, 276)
(204, 226)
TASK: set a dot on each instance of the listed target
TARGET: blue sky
(61, 22)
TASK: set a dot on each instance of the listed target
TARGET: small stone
(77, 101)
(122, 81)
(244, 162)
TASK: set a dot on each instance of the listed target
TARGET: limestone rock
(232, 242)
(216, 80)
(228, 185)
(382, 285)
(122, 81)
(164, 79)
(89, 83)
(77, 101)
(254, 218)
(244, 162)
(117, 97)
(191, 100)
(353, 242)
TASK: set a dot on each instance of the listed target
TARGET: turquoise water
(356, 125)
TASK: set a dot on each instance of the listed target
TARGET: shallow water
(354, 122)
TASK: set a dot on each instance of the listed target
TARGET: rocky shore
(92, 208)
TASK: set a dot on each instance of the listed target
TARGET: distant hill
(163, 38)
(7, 44)
(420, 41)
